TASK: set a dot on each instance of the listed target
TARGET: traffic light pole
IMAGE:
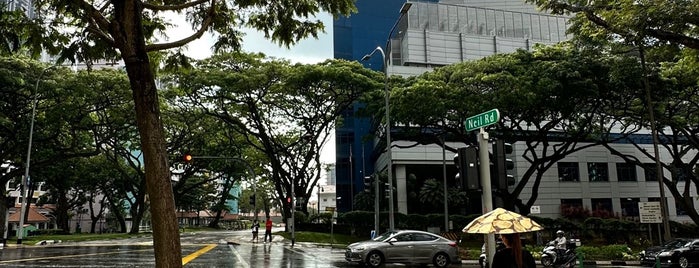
(376, 206)
(487, 189)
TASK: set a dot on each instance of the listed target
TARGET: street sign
(482, 120)
(650, 212)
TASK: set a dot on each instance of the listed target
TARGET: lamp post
(389, 160)
(320, 189)
(25, 179)
(403, 10)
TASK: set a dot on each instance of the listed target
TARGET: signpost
(649, 212)
(482, 120)
(478, 122)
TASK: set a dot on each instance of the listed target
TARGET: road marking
(240, 258)
(197, 253)
(71, 256)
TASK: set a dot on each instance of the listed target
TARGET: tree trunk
(129, 39)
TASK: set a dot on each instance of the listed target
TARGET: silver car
(406, 246)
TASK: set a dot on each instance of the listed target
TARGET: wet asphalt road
(200, 249)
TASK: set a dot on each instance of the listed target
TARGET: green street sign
(482, 120)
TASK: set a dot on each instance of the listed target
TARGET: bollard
(581, 259)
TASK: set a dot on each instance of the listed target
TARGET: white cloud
(308, 50)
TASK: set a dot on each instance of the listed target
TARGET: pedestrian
(255, 230)
(513, 255)
(268, 230)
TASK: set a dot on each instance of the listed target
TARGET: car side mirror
(392, 240)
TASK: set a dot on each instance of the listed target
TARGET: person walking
(255, 230)
(513, 255)
(268, 230)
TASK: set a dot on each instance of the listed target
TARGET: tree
(285, 112)
(63, 126)
(126, 30)
(660, 21)
(664, 36)
(553, 99)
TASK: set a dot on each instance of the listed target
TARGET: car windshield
(384, 236)
(676, 243)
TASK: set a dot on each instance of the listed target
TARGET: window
(423, 237)
(629, 207)
(568, 171)
(573, 208)
(649, 171)
(602, 207)
(597, 171)
(626, 172)
(679, 209)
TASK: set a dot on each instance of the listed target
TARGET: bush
(610, 252)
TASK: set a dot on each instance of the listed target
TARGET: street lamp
(403, 10)
(25, 179)
(320, 189)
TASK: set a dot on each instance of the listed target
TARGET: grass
(338, 240)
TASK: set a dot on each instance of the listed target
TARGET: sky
(307, 51)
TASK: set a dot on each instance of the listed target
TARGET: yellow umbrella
(501, 221)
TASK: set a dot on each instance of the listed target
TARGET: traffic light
(252, 200)
(187, 158)
(288, 199)
(466, 160)
(298, 203)
(501, 165)
(387, 190)
(368, 180)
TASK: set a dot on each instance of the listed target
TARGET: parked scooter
(550, 258)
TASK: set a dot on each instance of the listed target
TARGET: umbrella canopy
(501, 221)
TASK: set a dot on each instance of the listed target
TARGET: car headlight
(359, 249)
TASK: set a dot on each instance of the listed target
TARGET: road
(199, 249)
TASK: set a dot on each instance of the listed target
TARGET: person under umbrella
(513, 255)
(508, 225)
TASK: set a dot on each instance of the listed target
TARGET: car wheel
(683, 262)
(546, 261)
(374, 259)
(440, 260)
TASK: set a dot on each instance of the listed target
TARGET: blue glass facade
(354, 37)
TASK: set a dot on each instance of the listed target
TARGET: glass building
(416, 37)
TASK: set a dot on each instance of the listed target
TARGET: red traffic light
(187, 158)
(288, 200)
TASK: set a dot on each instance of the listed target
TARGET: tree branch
(98, 21)
(173, 7)
(211, 13)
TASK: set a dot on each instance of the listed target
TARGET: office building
(430, 34)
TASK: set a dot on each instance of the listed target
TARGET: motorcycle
(550, 258)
